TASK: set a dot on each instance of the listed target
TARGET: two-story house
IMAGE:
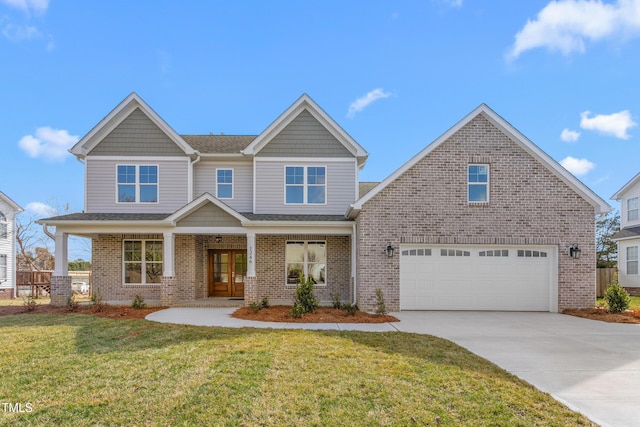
(8, 211)
(480, 219)
(628, 238)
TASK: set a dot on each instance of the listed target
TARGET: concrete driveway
(592, 367)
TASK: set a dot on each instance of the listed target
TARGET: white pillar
(251, 254)
(61, 253)
(168, 255)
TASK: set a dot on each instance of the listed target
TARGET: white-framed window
(224, 183)
(526, 253)
(478, 183)
(3, 267)
(632, 209)
(3, 226)
(137, 183)
(454, 252)
(307, 258)
(305, 185)
(632, 260)
(142, 262)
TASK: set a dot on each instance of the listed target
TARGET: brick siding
(528, 205)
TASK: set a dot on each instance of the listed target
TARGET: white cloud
(616, 124)
(41, 209)
(18, 33)
(364, 101)
(36, 6)
(578, 167)
(565, 25)
(51, 144)
(569, 135)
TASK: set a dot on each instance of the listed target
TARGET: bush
(257, 306)
(616, 297)
(97, 305)
(30, 303)
(138, 302)
(336, 301)
(381, 308)
(350, 309)
(305, 300)
(72, 304)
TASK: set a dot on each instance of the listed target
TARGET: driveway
(592, 367)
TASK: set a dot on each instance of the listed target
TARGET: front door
(227, 269)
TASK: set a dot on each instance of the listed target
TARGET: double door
(227, 270)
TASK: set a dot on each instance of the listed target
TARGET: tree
(606, 248)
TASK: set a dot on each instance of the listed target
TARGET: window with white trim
(3, 267)
(306, 258)
(478, 183)
(632, 209)
(526, 253)
(305, 185)
(454, 252)
(142, 262)
(632, 260)
(137, 183)
(224, 183)
(3, 226)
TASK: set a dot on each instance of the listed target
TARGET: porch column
(60, 286)
(168, 284)
(251, 281)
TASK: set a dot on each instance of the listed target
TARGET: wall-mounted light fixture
(218, 238)
(574, 251)
(389, 251)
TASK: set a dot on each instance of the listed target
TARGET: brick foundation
(60, 290)
(6, 293)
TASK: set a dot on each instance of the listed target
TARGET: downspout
(45, 228)
(354, 257)
(191, 175)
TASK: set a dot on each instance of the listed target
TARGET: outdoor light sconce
(389, 251)
(218, 238)
(574, 251)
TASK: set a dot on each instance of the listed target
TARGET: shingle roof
(282, 217)
(627, 232)
(221, 144)
(365, 187)
(109, 217)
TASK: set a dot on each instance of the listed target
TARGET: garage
(456, 277)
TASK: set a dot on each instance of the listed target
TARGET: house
(628, 238)
(8, 211)
(480, 219)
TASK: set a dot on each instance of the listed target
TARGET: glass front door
(227, 270)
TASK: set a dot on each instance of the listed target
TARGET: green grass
(635, 303)
(81, 370)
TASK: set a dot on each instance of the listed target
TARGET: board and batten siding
(7, 245)
(341, 179)
(101, 185)
(205, 181)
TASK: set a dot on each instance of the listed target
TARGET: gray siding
(209, 216)
(270, 187)
(304, 137)
(137, 135)
(205, 182)
(101, 186)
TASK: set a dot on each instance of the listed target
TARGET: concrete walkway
(592, 367)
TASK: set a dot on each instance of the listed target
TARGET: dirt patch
(111, 311)
(603, 314)
(281, 313)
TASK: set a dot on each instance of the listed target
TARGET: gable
(136, 135)
(305, 136)
(209, 215)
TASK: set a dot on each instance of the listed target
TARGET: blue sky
(395, 75)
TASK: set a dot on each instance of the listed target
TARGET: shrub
(97, 305)
(265, 302)
(30, 303)
(336, 301)
(257, 306)
(305, 300)
(350, 309)
(138, 302)
(616, 297)
(381, 308)
(72, 304)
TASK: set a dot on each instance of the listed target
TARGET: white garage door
(477, 278)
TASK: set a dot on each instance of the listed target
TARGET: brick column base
(250, 290)
(60, 290)
(168, 288)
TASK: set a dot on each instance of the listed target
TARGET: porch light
(574, 251)
(389, 251)
(218, 238)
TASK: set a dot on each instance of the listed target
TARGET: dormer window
(632, 209)
(305, 185)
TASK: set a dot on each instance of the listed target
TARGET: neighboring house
(480, 219)
(628, 238)
(8, 211)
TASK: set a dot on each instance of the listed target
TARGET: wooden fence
(38, 282)
(604, 276)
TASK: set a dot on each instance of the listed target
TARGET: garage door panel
(475, 278)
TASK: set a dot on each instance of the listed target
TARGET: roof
(108, 217)
(293, 218)
(599, 205)
(10, 202)
(365, 187)
(625, 187)
(219, 144)
(626, 233)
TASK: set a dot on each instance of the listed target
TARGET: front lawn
(77, 369)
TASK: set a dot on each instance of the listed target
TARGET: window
(454, 252)
(305, 185)
(632, 260)
(632, 209)
(417, 252)
(224, 180)
(496, 252)
(3, 267)
(531, 254)
(3, 226)
(478, 183)
(137, 183)
(142, 261)
(308, 259)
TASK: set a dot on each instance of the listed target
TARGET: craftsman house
(480, 219)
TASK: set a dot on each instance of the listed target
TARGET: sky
(394, 74)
